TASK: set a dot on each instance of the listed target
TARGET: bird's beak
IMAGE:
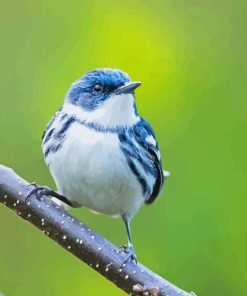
(127, 88)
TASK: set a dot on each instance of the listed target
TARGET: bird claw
(131, 256)
(123, 248)
(45, 190)
(39, 191)
(32, 184)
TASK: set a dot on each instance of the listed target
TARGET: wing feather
(146, 138)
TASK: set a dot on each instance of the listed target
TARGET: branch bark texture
(80, 240)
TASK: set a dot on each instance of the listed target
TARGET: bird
(100, 152)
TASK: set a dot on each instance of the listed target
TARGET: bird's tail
(166, 174)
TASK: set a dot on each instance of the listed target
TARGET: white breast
(118, 110)
(91, 170)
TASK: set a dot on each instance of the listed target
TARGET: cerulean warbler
(101, 153)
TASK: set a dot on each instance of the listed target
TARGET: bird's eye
(98, 87)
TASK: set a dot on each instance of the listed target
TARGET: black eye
(98, 87)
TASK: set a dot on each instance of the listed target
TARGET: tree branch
(81, 241)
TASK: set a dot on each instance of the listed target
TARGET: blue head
(105, 97)
(97, 86)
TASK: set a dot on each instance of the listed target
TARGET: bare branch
(81, 241)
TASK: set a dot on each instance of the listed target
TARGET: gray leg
(127, 225)
(129, 250)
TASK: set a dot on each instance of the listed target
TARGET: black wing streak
(159, 179)
(152, 151)
(50, 123)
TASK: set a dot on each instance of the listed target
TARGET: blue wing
(146, 137)
(141, 150)
(48, 127)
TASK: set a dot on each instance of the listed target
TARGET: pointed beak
(127, 88)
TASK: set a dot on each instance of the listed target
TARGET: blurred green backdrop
(189, 56)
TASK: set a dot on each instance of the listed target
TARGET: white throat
(118, 110)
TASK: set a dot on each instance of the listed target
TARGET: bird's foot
(45, 190)
(130, 254)
(39, 191)
(123, 248)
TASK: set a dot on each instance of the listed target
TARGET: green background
(190, 57)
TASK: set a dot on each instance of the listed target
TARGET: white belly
(91, 171)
